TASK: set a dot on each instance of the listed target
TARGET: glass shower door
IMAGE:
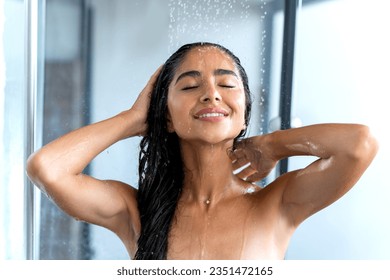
(12, 98)
(341, 75)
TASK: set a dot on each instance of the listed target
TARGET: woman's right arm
(57, 169)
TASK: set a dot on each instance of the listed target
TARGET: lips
(211, 115)
(208, 113)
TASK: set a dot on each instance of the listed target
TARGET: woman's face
(206, 99)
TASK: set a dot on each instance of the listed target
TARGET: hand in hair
(141, 105)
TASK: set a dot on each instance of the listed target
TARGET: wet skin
(216, 217)
(213, 199)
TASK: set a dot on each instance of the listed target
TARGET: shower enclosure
(73, 62)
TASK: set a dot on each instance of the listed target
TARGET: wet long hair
(161, 173)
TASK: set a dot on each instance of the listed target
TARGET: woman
(191, 204)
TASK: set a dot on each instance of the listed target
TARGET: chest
(232, 231)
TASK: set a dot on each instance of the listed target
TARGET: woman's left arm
(344, 152)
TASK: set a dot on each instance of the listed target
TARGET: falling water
(230, 23)
(204, 20)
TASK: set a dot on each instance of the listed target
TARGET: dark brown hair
(160, 164)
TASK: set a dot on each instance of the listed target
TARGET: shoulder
(274, 190)
(269, 200)
(269, 214)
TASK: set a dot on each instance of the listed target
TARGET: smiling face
(206, 99)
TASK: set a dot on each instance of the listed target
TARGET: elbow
(364, 146)
(33, 167)
(37, 170)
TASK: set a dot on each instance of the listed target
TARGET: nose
(210, 94)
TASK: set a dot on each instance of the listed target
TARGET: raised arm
(344, 152)
(57, 169)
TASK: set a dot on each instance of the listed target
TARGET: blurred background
(68, 63)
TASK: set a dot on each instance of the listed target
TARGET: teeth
(210, 115)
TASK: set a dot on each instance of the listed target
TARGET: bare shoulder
(269, 200)
(270, 228)
(273, 192)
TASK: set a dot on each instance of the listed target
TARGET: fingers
(236, 154)
(243, 143)
(238, 158)
(146, 93)
(250, 175)
(152, 80)
(156, 73)
(254, 177)
(243, 166)
(245, 172)
(239, 163)
(141, 105)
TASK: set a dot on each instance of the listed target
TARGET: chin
(210, 135)
(210, 139)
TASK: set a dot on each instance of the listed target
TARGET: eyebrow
(219, 72)
(194, 73)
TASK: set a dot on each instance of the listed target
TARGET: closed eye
(227, 86)
(189, 87)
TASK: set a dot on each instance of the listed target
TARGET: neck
(208, 172)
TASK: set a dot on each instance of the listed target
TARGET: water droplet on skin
(250, 190)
